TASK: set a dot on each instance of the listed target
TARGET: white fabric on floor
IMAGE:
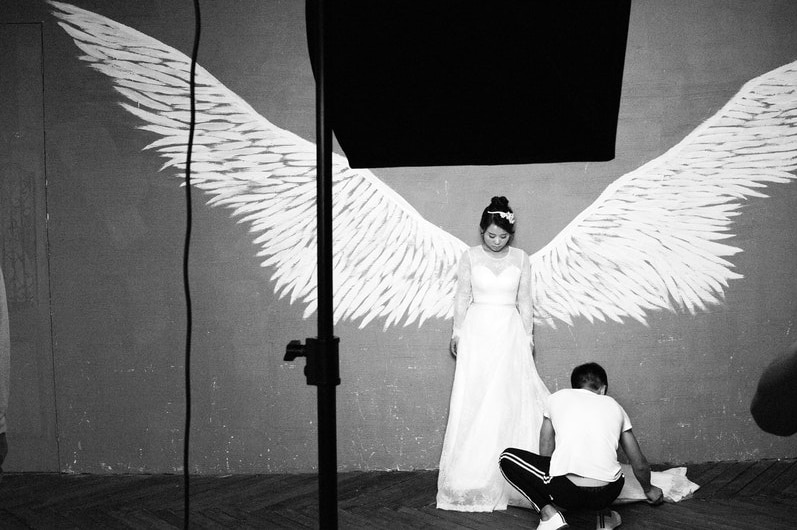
(673, 483)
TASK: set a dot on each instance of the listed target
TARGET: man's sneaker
(554, 523)
(608, 520)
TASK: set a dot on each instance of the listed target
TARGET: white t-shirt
(588, 428)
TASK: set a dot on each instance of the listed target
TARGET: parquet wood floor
(733, 495)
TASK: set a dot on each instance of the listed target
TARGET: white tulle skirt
(496, 402)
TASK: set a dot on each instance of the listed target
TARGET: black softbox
(439, 82)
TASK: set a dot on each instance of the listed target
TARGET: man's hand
(640, 466)
(655, 495)
(452, 346)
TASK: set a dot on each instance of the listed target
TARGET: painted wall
(115, 239)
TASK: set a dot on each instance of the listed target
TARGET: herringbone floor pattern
(733, 495)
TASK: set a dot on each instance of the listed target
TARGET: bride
(497, 397)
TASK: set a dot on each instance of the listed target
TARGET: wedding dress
(497, 397)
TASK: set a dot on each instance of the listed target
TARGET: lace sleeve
(463, 295)
(524, 299)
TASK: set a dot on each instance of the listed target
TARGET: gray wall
(114, 393)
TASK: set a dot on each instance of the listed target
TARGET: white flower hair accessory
(509, 216)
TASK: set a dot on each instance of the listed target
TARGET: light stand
(323, 366)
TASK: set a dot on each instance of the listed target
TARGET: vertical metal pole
(327, 435)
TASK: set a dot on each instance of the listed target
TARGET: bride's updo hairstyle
(500, 214)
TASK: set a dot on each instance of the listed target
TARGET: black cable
(186, 249)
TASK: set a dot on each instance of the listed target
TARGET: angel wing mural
(652, 241)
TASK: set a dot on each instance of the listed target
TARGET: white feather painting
(654, 240)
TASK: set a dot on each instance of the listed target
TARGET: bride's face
(495, 238)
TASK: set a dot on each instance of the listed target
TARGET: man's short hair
(589, 375)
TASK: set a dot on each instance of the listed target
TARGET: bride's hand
(452, 346)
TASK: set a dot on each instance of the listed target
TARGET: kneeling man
(577, 467)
